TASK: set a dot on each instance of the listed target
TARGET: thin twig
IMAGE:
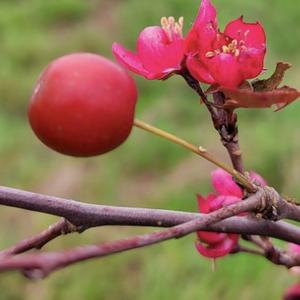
(41, 239)
(199, 151)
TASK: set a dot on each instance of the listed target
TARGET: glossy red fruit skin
(83, 105)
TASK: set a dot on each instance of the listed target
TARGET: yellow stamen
(225, 49)
(234, 43)
(170, 26)
(164, 22)
(210, 54)
(181, 21)
(236, 52)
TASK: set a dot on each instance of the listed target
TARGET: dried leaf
(246, 98)
(262, 93)
(274, 81)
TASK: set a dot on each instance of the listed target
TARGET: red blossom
(213, 244)
(228, 58)
(294, 250)
(160, 50)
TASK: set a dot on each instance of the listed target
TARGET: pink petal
(252, 34)
(256, 177)
(224, 184)
(129, 59)
(211, 238)
(225, 69)
(157, 53)
(218, 250)
(205, 29)
(251, 62)
(207, 14)
(294, 248)
(204, 204)
(198, 70)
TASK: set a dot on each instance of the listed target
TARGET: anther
(164, 22)
(225, 49)
(236, 52)
(210, 54)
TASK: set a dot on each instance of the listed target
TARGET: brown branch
(42, 264)
(90, 215)
(226, 125)
(84, 215)
(41, 239)
(272, 254)
(225, 121)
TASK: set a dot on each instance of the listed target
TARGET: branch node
(269, 204)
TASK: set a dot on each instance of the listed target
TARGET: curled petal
(129, 60)
(252, 34)
(224, 184)
(157, 53)
(207, 14)
(199, 70)
(218, 250)
(206, 25)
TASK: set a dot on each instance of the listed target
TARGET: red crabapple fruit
(83, 105)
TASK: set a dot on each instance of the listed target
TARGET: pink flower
(213, 244)
(228, 58)
(160, 50)
(293, 293)
(294, 250)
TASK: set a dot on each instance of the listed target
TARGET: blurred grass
(154, 174)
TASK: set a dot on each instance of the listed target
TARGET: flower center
(230, 46)
(172, 28)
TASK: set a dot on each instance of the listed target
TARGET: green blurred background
(146, 171)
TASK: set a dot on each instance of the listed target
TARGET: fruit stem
(197, 150)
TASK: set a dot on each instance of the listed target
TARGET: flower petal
(251, 62)
(205, 29)
(224, 184)
(294, 248)
(252, 34)
(226, 71)
(129, 59)
(157, 53)
(204, 204)
(211, 238)
(198, 70)
(218, 250)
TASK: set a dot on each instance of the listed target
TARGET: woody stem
(224, 120)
